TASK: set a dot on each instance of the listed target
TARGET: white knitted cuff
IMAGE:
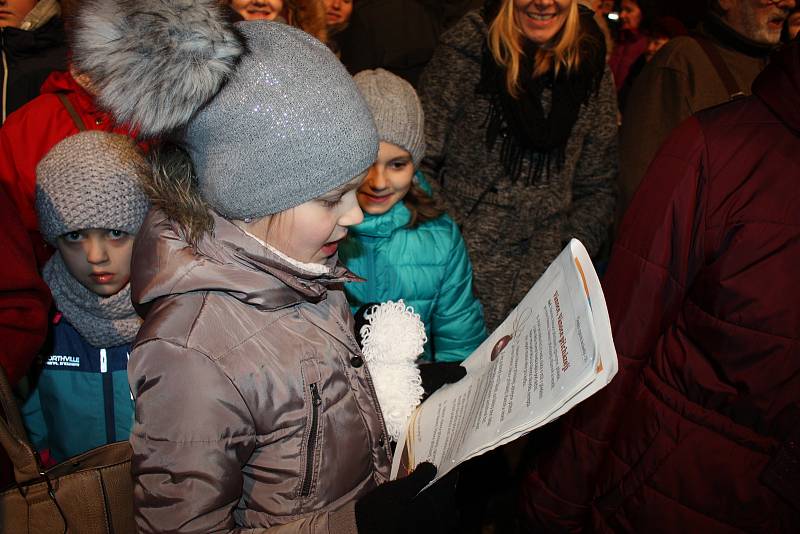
(392, 340)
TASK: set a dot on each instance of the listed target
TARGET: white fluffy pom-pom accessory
(154, 63)
(391, 341)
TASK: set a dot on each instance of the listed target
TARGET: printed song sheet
(553, 351)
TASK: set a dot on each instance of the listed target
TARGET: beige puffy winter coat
(253, 407)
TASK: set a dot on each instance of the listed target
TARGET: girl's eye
(72, 237)
(331, 203)
(116, 234)
(398, 164)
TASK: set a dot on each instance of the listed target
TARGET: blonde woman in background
(520, 122)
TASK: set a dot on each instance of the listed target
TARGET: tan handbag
(91, 493)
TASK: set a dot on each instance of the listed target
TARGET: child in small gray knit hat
(253, 405)
(90, 205)
(405, 247)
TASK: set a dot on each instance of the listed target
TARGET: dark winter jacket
(30, 133)
(513, 231)
(680, 80)
(426, 266)
(699, 430)
(80, 399)
(399, 36)
(29, 56)
(253, 407)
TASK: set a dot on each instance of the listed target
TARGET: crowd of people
(202, 200)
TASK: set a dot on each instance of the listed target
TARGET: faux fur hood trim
(154, 63)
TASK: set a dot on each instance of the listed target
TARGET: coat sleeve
(593, 185)
(654, 261)
(457, 324)
(24, 297)
(33, 417)
(657, 104)
(192, 435)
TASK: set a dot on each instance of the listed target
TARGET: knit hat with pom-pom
(91, 180)
(270, 118)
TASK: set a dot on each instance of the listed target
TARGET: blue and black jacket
(81, 398)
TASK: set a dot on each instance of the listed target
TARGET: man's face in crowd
(758, 20)
(13, 11)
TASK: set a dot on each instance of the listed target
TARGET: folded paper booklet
(552, 352)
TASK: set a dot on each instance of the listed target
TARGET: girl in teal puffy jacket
(406, 248)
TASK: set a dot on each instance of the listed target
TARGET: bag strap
(72, 113)
(724, 73)
(14, 438)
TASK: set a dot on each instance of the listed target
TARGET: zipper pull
(103, 361)
(315, 398)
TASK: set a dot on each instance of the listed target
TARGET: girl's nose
(352, 216)
(375, 178)
(96, 252)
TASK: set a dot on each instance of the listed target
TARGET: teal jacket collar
(385, 224)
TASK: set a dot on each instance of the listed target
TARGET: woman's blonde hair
(506, 45)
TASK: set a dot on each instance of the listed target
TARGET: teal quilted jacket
(427, 267)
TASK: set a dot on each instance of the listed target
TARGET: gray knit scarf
(102, 321)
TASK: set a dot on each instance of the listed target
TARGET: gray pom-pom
(154, 63)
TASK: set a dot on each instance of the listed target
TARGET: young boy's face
(388, 181)
(98, 258)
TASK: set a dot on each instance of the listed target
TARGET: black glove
(435, 375)
(435, 510)
(388, 509)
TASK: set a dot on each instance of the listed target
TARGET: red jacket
(31, 131)
(24, 297)
(627, 50)
(24, 306)
(700, 430)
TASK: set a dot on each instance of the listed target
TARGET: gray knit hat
(396, 109)
(91, 180)
(289, 126)
(270, 118)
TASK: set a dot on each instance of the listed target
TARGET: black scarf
(527, 132)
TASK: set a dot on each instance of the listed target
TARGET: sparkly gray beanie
(288, 127)
(396, 109)
(270, 118)
(91, 180)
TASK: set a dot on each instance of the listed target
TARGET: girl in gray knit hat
(405, 247)
(90, 205)
(254, 410)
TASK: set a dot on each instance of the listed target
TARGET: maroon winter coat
(699, 431)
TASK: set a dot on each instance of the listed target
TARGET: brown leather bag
(91, 493)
